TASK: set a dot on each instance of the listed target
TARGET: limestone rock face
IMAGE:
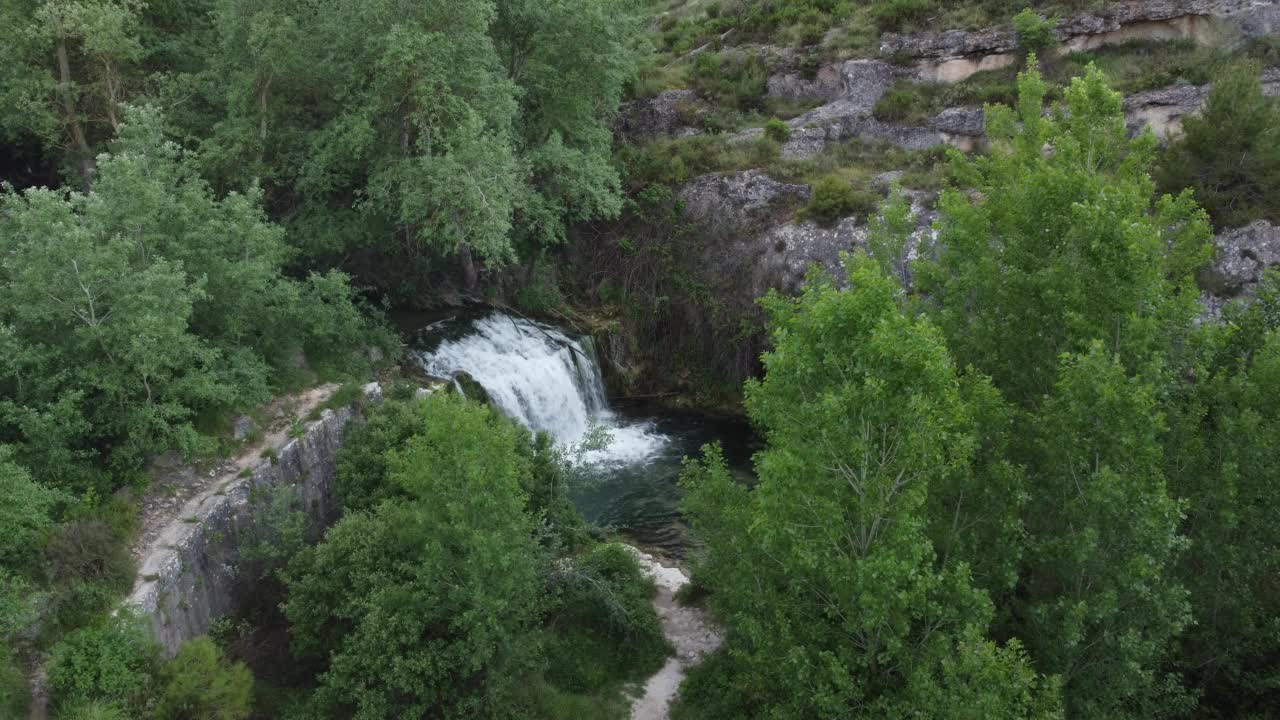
(1164, 109)
(657, 116)
(1244, 254)
(752, 243)
(190, 575)
(848, 116)
(739, 199)
(1248, 17)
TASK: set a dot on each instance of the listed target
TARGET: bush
(94, 710)
(1035, 34)
(604, 627)
(735, 80)
(900, 104)
(777, 131)
(25, 514)
(90, 550)
(834, 198)
(113, 662)
(362, 461)
(1230, 155)
(199, 684)
(13, 686)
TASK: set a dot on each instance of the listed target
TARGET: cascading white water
(544, 380)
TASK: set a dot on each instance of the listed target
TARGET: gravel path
(690, 631)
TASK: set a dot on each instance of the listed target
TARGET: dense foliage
(824, 572)
(1012, 469)
(430, 596)
(97, 379)
(1088, 488)
(1230, 154)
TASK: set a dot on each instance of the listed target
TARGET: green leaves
(837, 603)
(1230, 154)
(129, 309)
(427, 603)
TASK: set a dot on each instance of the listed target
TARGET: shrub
(362, 461)
(88, 549)
(1035, 34)
(1230, 155)
(834, 198)
(94, 710)
(113, 662)
(199, 684)
(607, 629)
(735, 80)
(899, 104)
(899, 14)
(25, 509)
(13, 686)
(777, 131)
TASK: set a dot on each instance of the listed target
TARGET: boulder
(1163, 109)
(862, 83)
(242, 427)
(1243, 255)
(663, 114)
(967, 122)
(738, 199)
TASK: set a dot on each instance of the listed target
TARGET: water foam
(546, 381)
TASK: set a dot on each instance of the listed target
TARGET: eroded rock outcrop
(752, 235)
(1164, 109)
(954, 55)
(1243, 255)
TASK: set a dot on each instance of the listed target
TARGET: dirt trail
(690, 631)
(178, 488)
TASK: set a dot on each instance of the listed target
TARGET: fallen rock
(954, 55)
(861, 85)
(1249, 17)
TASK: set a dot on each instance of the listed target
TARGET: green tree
(836, 603)
(426, 604)
(95, 370)
(1222, 458)
(1229, 155)
(112, 662)
(417, 160)
(1058, 249)
(569, 60)
(69, 65)
(26, 515)
(1100, 603)
(199, 684)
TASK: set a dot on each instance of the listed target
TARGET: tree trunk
(80, 143)
(469, 273)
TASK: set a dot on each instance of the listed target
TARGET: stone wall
(189, 576)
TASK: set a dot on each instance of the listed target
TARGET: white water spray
(544, 380)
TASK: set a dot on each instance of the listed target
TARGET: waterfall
(544, 380)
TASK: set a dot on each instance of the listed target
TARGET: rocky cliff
(190, 572)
